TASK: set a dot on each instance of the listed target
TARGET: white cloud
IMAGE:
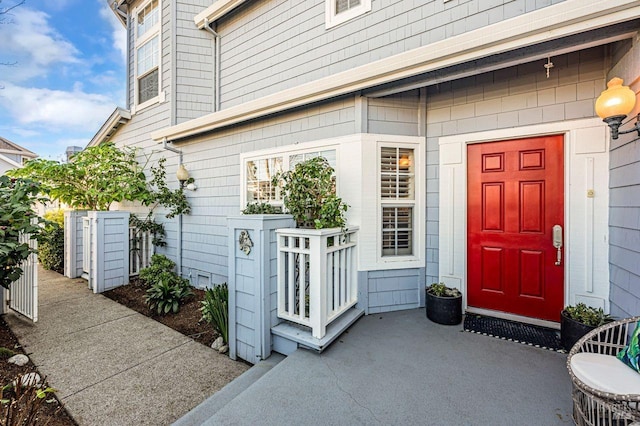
(118, 32)
(56, 109)
(34, 44)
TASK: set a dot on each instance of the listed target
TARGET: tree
(16, 199)
(95, 178)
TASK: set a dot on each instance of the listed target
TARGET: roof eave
(216, 11)
(117, 118)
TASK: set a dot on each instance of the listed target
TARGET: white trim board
(586, 219)
(549, 23)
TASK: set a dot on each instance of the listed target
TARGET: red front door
(515, 197)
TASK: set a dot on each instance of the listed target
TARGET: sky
(62, 72)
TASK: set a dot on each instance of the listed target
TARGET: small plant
(6, 353)
(261, 208)
(587, 315)
(165, 296)
(22, 403)
(441, 290)
(215, 308)
(158, 269)
(310, 195)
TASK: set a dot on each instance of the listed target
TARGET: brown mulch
(52, 412)
(187, 321)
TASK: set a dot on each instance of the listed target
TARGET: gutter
(550, 23)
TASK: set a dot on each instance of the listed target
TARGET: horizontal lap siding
(624, 211)
(394, 115)
(394, 289)
(275, 45)
(511, 97)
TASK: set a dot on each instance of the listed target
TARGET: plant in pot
(578, 320)
(444, 304)
(310, 195)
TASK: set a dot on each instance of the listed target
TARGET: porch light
(404, 161)
(614, 104)
(182, 174)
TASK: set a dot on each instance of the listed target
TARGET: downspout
(179, 230)
(174, 65)
(216, 65)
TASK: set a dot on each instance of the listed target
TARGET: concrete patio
(400, 368)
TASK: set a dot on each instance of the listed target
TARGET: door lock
(557, 243)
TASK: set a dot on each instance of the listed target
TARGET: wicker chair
(593, 407)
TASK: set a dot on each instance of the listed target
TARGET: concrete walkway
(113, 366)
(401, 369)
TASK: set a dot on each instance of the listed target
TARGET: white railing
(140, 250)
(23, 293)
(317, 276)
(86, 245)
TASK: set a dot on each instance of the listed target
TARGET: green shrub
(51, 242)
(441, 290)
(587, 315)
(167, 289)
(261, 208)
(166, 295)
(158, 269)
(215, 308)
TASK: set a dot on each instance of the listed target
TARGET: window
(397, 199)
(339, 11)
(259, 172)
(147, 63)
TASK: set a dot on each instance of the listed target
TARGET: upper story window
(259, 172)
(339, 11)
(147, 54)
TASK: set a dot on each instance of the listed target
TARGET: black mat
(527, 334)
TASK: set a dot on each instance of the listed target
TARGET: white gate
(86, 247)
(23, 293)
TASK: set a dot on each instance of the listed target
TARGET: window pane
(329, 154)
(397, 173)
(148, 17)
(397, 231)
(148, 86)
(259, 174)
(343, 5)
(148, 55)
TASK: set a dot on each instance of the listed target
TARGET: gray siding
(384, 291)
(274, 45)
(194, 63)
(624, 210)
(395, 115)
(511, 97)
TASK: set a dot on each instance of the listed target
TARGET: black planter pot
(571, 331)
(444, 310)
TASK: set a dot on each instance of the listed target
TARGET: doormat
(532, 335)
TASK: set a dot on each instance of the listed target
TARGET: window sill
(140, 107)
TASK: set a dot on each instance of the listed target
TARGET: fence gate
(23, 293)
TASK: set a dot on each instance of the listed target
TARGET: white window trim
(333, 19)
(285, 152)
(417, 203)
(146, 37)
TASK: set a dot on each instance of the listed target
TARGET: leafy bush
(166, 295)
(51, 242)
(215, 308)
(158, 269)
(167, 289)
(310, 195)
(587, 315)
(22, 403)
(261, 208)
(441, 290)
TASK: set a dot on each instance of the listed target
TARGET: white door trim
(586, 219)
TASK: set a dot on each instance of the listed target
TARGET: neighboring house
(12, 155)
(461, 132)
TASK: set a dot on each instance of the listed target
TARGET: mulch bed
(52, 412)
(187, 321)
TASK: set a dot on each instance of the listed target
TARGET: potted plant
(578, 320)
(444, 304)
(309, 195)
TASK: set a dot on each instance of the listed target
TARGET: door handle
(557, 243)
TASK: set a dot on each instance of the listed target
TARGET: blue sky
(66, 72)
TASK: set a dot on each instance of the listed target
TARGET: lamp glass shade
(182, 174)
(616, 100)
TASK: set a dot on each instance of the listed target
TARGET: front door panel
(515, 197)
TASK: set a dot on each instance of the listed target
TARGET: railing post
(318, 285)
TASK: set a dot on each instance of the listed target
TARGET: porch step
(301, 336)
